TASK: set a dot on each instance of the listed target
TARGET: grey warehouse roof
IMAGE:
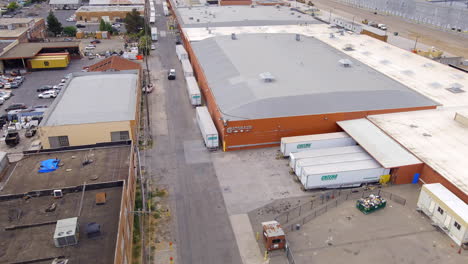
(308, 78)
(95, 97)
(228, 16)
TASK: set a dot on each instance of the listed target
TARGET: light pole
(415, 43)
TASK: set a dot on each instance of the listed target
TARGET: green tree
(102, 25)
(69, 31)
(53, 25)
(12, 6)
(105, 26)
(145, 45)
(134, 22)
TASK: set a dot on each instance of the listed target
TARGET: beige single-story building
(94, 107)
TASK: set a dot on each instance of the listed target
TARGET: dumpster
(371, 204)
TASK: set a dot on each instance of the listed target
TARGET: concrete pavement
(202, 232)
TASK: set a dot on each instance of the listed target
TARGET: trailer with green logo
(318, 141)
(342, 174)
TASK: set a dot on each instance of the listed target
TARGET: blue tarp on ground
(49, 165)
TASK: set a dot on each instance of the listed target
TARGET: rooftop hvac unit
(332, 35)
(345, 63)
(233, 36)
(66, 232)
(267, 77)
(58, 194)
(298, 37)
(348, 47)
(93, 230)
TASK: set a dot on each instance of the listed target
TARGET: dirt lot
(454, 43)
(395, 234)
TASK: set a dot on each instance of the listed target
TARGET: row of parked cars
(11, 82)
(52, 91)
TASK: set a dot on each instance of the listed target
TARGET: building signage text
(239, 129)
(329, 177)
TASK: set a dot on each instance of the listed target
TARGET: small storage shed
(445, 210)
(273, 235)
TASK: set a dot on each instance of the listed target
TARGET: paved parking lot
(27, 94)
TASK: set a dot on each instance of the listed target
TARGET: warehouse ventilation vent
(298, 37)
(267, 77)
(428, 65)
(367, 53)
(332, 35)
(456, 88)
(348, 47)
(435, 85)
(345, 63)
(385, 62)
(233, 36)
(408, 72)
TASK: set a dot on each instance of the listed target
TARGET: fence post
(300, 209)
(391, 194)
(287, 217)
(311, 204)
(379, 193)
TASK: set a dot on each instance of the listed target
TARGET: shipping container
(193, 91)
(339, 175)
(154, 34)
(294, 157)
(187, 68)
(318, 141)
(49, 62)
(303, 163)
(207, 128)
(181, 53)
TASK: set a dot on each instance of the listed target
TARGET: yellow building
(94, 107)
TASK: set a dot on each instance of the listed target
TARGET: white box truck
(207, 128)
(318, 141)
(304, 163)
(187, 68)
(339, 175)
(295, 157)
(152, 19)
(193, 91)
(165, 10)
(154, 34)
(181, 52)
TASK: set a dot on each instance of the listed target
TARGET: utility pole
(415, 43)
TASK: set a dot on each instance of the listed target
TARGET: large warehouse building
(257, 93)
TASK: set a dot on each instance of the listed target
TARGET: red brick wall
(428, 175)
(405, 174)
(235, 2)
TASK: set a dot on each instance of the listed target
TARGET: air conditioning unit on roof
(66, 232)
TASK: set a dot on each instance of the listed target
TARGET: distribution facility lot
(395, 234)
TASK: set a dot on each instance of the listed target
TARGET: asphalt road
(203, 233)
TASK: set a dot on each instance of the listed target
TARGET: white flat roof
(241, 15)
(434, 137)
(421, 74)
(380, 146)
(449, 199)
(95, 97)
(325, 136)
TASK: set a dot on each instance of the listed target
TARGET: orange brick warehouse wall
(405, 174)
(429, 175)
(235, 2)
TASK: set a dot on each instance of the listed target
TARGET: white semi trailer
(304, 163)
(301, 143)
(296, 156)
(193, 91)
(207, 128)
(340, 175)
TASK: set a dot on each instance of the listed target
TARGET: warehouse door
(431, 207)
(58, 142)
(447, 221)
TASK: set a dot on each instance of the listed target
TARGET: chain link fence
(310, 210)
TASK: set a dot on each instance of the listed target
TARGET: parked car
(40, 106)
(14, 85)
(44, 88)
(171, 75)
(7, 85)
(148, 88)
(116, 25)
(70, 19)
(153, 47)
(47, 94)
(80, 26)
(96, 41)
(2, 101)
(63, 80)
(16, 107)
(5, 95)
(19, 79)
